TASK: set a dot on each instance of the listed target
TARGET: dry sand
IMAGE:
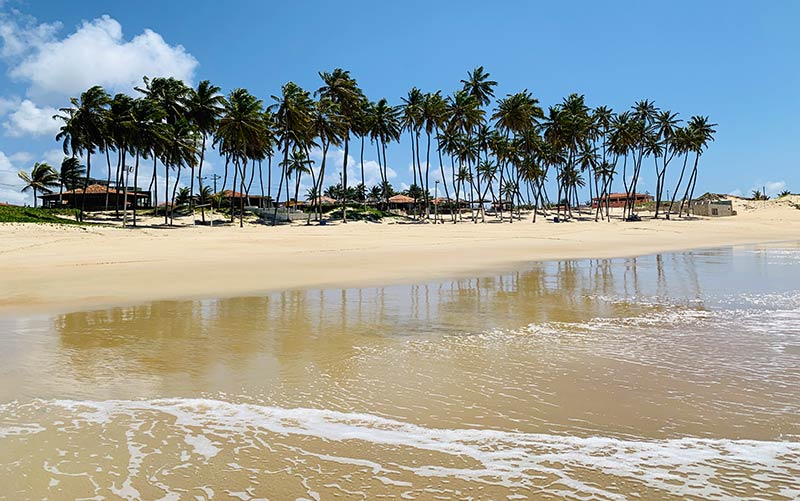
(58, 268)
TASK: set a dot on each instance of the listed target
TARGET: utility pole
(215, 177)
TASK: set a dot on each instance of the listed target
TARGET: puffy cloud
(30, 120)
(20, 34)
(96, 54)
(770, 188)
(335, 160)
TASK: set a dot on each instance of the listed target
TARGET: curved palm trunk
(108, 179)
(241, 198)
(232, 199)
(344, 177)
(678, 186)
(86, 181)
(136, 187)
(125, 200)
(174, 191)
(153, 188)
(166, 194)
(362, 172)
(280, 184)
(260, 182)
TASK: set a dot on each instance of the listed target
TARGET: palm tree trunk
(260, 182)
(166, 194)
(125, 199)
(232, 200)
(241, 198)
(108, 180)
(136, 187)
(677, 187)
(174, 191)
(362, 172)
(344, 176)
(86, 181)
(280, 184)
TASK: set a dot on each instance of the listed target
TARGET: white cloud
(20, 34)
(770, 188)
(7, 104)
(96, 54)
(30, 120)
(333, 166)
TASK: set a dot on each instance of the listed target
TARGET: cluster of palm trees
(502, 156)
(43, 177)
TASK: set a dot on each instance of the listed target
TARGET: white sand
(49, 267)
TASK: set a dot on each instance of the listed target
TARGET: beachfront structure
(249, 200)
(620, 199)
(401, 203)
(713, 208)
(98, 197)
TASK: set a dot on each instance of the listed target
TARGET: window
(715, 212)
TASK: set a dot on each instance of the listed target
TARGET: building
(98, 197)
(713, 208)
(619, 199)
(250, 200)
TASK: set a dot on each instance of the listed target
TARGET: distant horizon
(48, 51)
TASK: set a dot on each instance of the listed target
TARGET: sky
(735, 61)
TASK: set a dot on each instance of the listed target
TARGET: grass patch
(15, 214)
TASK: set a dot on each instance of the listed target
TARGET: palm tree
(479, 86)
(84, 128)
(146, 138)
(412, 122)
(118, 127)
(701, 132)
(328, 125)
(69, 176)
(241, 134)
(386, 128)
(297, 166)
(204, 108)
(293, 111)
(41, 179)
(343, 91)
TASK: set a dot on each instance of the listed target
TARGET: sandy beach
(55, 268)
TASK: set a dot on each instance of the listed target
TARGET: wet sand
(669, 376)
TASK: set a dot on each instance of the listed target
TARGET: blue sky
(734, 61)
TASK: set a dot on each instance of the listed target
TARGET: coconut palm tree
(293, 111)
(385, 122)
(411, 120)
(701, 132)
(341, 89)
(83, 130)
(298, 165)
(69, 176)
(40, 180)
(146, 139)
(204, 108)
(479, 86)
(118, 127)
(241, 134)
(329, 126)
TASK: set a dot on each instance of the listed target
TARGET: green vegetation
(15, 214)
(503, 148)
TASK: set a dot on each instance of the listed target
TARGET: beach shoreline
(52, 268)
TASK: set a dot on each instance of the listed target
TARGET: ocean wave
(206, 431)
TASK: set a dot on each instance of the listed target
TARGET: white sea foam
(683, 466)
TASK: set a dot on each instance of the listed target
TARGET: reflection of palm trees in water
(282, 334)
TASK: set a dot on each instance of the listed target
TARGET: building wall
(711, 209)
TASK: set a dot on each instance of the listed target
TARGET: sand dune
(60, 268)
